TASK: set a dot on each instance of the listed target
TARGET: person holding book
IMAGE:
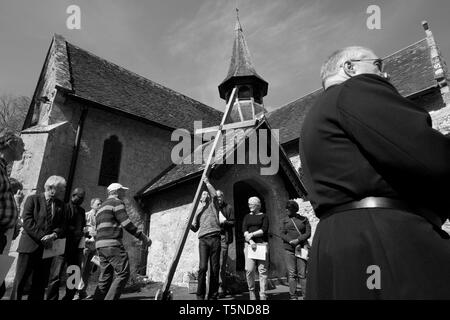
(295, 230)
(43, 223)
(255, 227)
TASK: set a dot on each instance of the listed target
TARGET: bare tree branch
(13, 110)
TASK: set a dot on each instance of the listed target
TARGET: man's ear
(349, 68)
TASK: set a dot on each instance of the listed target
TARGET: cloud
(282, 37)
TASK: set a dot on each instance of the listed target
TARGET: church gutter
(76, 148)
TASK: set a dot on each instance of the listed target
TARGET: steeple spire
(241, 70)
(238, 23)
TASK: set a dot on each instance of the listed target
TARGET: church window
(110, 166)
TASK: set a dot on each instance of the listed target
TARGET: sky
(186, 44)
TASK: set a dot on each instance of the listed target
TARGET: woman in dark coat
(295, 230)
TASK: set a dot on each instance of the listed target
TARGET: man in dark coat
(75, 224)
(226, 220)
(377, 175)
(43, 222)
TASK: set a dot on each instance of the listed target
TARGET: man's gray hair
(55, 181)
(335, 61)
(254, 200)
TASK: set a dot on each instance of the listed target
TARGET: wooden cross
(164, 292)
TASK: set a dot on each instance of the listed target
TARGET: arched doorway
(243, 190)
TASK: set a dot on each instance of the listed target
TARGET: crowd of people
(88, 238)
(213, 221)
(96, 237)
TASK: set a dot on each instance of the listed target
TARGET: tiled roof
(411, 72)
(100, 81)
(410, 69)
(182, 172)
(289, 118)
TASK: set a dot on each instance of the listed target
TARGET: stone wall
(145, 153)
(169, 212)
(48, 152)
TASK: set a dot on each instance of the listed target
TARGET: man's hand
(294, 242)
(18, 197)
(248, 236)
(206, 180)
(49, 237)
(47, 240)
(145, 240)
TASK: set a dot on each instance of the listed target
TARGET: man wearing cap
(110, 219)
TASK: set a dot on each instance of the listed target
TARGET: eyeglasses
(377, 62)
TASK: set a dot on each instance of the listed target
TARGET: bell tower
(251, 87)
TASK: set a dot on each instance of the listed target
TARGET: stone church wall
(145, 153)
(169, 212)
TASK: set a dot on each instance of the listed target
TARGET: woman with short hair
(255, 227)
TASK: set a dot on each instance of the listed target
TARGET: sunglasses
(377, 62)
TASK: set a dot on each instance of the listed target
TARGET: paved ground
(280, 292)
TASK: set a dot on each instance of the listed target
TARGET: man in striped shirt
(110, 219)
